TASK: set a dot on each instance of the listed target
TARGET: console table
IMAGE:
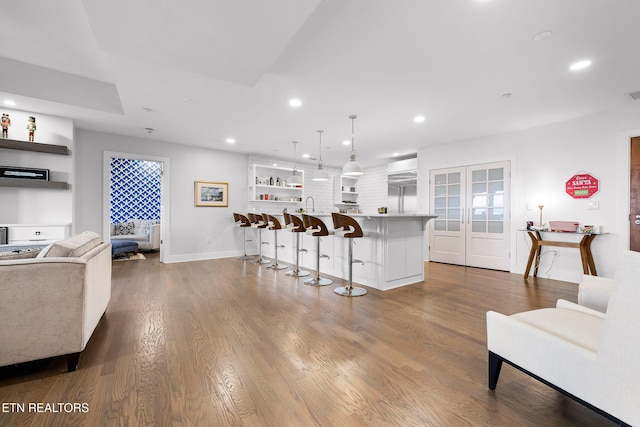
(588, 266)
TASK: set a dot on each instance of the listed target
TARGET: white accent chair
(588, 355)
(594, 292)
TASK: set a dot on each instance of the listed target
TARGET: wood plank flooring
(229, 343)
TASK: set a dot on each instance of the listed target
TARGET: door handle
(468, 215)
(462, 215)
(637, 221)
(637, 216)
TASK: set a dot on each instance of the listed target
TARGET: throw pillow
(124, 228)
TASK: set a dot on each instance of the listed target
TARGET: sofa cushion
(20, 254)
(124, 228)
(74, 246)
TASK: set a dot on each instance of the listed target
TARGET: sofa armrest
(154, 236)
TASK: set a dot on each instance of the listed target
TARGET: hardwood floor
(229, 343)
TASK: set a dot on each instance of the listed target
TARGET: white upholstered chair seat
(591, 356)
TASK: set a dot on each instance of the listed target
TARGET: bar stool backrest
(273, 222)
(315, 223)
(257, 220)
(349, 225)
(298, 225)
(243, 220)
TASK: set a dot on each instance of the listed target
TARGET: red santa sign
(582, 186)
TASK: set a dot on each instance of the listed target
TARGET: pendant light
(352, 168)
(294, 180)
(320, 174)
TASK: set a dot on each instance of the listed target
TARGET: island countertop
(393, 252)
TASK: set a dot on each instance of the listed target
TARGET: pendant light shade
(320, 174)
(352, 167)
(295, 179)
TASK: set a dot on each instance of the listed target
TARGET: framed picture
(214, 194)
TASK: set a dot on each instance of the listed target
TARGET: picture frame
(211, 194)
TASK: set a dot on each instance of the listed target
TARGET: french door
(472, 204)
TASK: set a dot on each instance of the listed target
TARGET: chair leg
(276, 265)
(244, 246)
(260, 260)
(349, 290)
(297, 272)
(318, 281)
(495, 363)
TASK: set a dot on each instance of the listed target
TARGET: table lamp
(541, 199)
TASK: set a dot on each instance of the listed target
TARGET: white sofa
(591, 356)
(50, 303)
(146, 233)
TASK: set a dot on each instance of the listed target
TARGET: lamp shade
(320, 175)
(352, 168)
(295, 179)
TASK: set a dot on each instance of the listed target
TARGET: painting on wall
(214, 194)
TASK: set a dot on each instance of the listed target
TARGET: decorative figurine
(31, 127)
(6, 122)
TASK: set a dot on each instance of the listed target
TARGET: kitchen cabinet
(345, 192)
(269, 184)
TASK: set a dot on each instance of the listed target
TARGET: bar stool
(347, 227)
(243, 222)
(315, 227)
(258, 223)
(273, 224)
(294, 224)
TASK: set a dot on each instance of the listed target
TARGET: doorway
(135, 187)
(473, 224)
(634, 195)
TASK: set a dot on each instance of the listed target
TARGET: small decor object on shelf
(31, 127)
(214, 194)
(6, 122)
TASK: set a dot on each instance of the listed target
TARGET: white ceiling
(214, 69)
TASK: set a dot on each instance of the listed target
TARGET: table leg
(535, 250)
(588, 266)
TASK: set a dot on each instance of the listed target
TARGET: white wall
(542, 160)
(39, 205)
(195, 232)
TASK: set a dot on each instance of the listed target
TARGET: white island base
(393, 253)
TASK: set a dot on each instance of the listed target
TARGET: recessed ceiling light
(542, 35)
(346, 142)
(419, 119)
(305, 155)
(230, 141)
(10, 103)
(295, 102)
(274, 165)
(580, 65)
(395, 154)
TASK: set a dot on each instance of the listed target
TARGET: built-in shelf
(33, 183)
(13, 144)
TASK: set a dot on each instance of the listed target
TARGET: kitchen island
(393, 253)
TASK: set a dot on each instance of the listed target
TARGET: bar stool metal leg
(275, 264)
(297, 272)
(350, 290)
(318, 281)
(244, 246)
(261, 260)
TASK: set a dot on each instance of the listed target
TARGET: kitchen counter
(393, 252)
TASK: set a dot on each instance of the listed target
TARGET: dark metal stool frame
(347, 227)
(258, 223)
(273, 224)
(243, 222)
(315, 227)
(295, 225)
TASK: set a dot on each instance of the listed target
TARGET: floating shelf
(13, 144)
(33, 183)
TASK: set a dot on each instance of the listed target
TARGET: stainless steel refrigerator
(402, 180)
